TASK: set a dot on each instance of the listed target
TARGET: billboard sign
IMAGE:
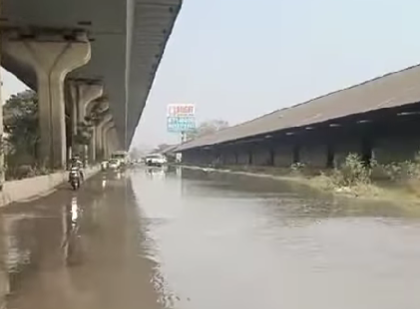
(180, 118)
(180, 110)
(180, 124)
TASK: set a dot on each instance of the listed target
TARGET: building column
(101, 105)
(69, 95)
(2, 167)
(51, 58)
(105, 138)
(113, 138)
(109, 142)
(92, 147)
(99, 134)
(83, 94)
(86, 94)
(4, 274)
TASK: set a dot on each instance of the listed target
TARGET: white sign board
(180, 118)
(180, 110)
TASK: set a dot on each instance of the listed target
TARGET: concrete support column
(85, 93)
(101, 105)
(105, 138)
(99, 135)
(72, 91)
(69, 94)
(2, 168)
(113, 138)
(52, 59)
(92, 147)
(110, 142)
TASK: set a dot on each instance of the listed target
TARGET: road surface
(195, 240)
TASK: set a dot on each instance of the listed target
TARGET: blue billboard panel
(180, 124)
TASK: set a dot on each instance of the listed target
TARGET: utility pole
(183, 136)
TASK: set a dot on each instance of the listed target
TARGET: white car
(113, 164)
(155, 160)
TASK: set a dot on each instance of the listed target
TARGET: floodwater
(189, 239)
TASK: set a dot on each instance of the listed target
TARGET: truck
(121, 156)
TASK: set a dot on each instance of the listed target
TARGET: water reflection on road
(225, 241)
(78, 250)
(154, 238)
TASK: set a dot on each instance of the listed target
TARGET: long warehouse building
(378, 118)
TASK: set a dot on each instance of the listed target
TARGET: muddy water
(188, 239)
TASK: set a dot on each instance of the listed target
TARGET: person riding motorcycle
(77, 163)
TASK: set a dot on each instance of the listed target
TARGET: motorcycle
(75, 178)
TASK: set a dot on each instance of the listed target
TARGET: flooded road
(189, 239)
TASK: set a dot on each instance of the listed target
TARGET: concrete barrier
(21, 190)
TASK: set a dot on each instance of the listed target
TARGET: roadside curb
(36, 187)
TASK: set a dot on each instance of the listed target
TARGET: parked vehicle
(121, 156)
(104, 165)
(74, 178)
(114, 164)
(155, 160)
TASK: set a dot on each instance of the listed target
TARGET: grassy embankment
(392, 182)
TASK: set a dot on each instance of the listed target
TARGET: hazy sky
(239, 59)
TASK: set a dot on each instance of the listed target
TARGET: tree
(21, 127)
(207, 127)
(162, 147)
(135, 153)
(21, 134)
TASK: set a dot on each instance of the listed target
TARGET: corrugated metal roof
(169, 149)
(391, 90)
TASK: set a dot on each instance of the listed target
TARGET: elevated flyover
(52, 45)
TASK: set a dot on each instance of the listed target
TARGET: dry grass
(392, 182)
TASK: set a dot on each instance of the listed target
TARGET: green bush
(398, 171)
(297, 168)
(352, 173)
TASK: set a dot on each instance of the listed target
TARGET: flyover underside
(92, 63)
(127, 40)
(152, 26)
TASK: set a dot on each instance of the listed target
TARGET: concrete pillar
(69, 95)
(52, 59)
(2, 169)
(105, 138)
(99, 134)
(113, 137)
(92, 147)
(86, 94)
(72, 105)
(116, 140)
(4, 274)
(110, 142)
(102, 105)
(82, 94)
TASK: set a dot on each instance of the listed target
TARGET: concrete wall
(393, 149)
(283, 156)
(342, 150)
(228, 158)
(261, 156)
(243, 157)
(20, 190)
(314, 155)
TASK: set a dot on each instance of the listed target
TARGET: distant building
(170, 154)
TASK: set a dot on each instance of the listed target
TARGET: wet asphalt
(173, 238)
